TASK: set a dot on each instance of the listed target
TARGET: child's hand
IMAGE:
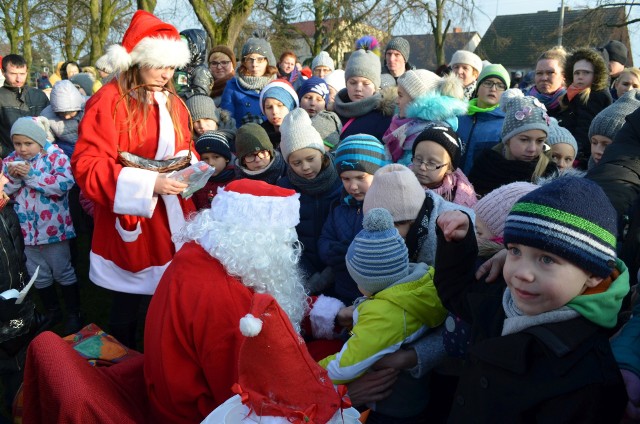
(454, 225)
(19, 171)
(493, 266)
(166, 185)
(345, 317)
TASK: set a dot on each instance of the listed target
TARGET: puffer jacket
(195, 78)
(241, 102)
(65, 97)
(478, 132)
(13, 269)
(16, 103)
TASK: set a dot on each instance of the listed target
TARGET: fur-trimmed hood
(388, 101)
(436, 107)
(600, 73)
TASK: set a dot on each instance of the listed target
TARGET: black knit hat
(617, 51)
(444, 136)
(214, 142)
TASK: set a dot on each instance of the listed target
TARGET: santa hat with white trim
(278, 380)
(257, 204)
(148, 42)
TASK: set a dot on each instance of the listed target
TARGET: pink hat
(494, 207)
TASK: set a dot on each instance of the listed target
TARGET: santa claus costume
(134, 113)
(245, 244)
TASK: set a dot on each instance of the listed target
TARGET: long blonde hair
(541, 166)
(134, 94)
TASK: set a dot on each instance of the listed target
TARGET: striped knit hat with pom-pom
(570, 217)
(377, 256)
(365, 61)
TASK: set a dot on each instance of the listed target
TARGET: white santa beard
(265, 260)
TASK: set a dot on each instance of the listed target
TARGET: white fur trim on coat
(126, 235)
(323, 316)
(134, 192)
(107, 274)
(160, 52)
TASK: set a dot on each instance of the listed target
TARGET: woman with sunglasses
(241, 96)
(222, 65)
(134, 121)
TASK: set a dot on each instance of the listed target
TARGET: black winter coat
(13, 270)
(16, 103)
(553, 373)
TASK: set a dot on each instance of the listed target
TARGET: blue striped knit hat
(377, 256)
(360, 152)
(570, 217)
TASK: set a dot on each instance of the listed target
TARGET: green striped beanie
(570, 217)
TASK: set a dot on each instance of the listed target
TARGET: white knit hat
(419, 82)
(297, 133)
(467, 58)
(323, 59)
(336, 79)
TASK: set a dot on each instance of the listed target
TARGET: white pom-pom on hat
(250, 326)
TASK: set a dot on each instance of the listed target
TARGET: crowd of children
(403, 191)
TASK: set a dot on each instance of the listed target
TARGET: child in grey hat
(564, 148)
(399, 307)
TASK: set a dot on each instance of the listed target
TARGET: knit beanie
(467, 58)
(336, 79)
(396, 189)
(256, 45)
(493, 208)
(32, 127)
(495, 70)
(522, 113)
(202, 107)
(377, 256)
(280, 90)
(400, 44)
(103, 64)
(558, 134)
(418, 82)
(251, 138)
(444, 136)
(314, 85)
(360, 152)
(213, 142)
(365, 64)
(570, 217)
(323, 59)
(617, 51)
(297, 133)
(610, 119)
(328, 126)
(226, 51)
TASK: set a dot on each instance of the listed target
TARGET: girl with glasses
(256, 157)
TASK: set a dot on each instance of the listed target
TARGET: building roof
(423, 50)
(516, 41)
(309, 27)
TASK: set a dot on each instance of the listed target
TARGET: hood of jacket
(600, 72)
(602, 308)
(417, 294)
(197, 42)
(65, 97)
(436, 107)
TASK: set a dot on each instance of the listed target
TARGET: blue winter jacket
(479, 131)
(314, 210)
(240, 101)
(341, 227)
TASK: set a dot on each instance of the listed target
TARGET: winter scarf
(271, 174)
(322, 183)
(226, 175)
(551, 102)
(456, 188)
(401, 134)
(473, 108)
(573, 91)
(350, 200)
(419, 230)
(345, 108)
(469, 90)
(219, 85)
(254, 83)
(517, 321)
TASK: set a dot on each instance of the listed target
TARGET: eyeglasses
(490, 84)
(252, 157)
(222, 64)
(429, 165)
(257, 60)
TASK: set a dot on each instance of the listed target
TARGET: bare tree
(629, 7)
(222, 20)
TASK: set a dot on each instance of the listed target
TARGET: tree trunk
(148, 5)
(26, 33)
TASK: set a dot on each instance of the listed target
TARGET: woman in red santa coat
(137, 209)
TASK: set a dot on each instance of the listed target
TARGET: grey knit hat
(32, 127)
(522, 113)
(328, 126)
(400, 44)
(377, 256)
(297, 133)
(323, 59)
(251, 138)
(259, 46)
(558, 134)
(395, 188)
(202, 107)
(467, 58)
(610, 119)
(365, 64)
(419, 82)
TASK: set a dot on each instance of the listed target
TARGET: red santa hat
(256, 204)
(278, 381)
(149, 42)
